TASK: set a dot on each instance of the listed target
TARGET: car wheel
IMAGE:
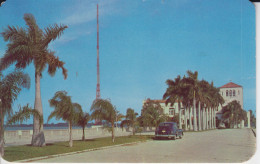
(180, 136)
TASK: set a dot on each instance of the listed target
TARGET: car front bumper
(164, 135)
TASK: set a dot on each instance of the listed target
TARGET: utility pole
(98, 78)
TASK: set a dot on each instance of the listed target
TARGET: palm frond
(11, 85)
(53, 114)
(55, 63)
(34, 31)
(83, 119)
(103, 110)
(53, 32)
(15, 33)
(24, 114)
(18, 49)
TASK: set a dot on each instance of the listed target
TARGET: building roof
(157, 101)
(231, 85)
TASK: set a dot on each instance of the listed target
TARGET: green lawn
(15, 153)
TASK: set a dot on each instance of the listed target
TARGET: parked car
(168, 130)
(221, 125)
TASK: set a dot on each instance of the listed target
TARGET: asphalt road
(229, 145)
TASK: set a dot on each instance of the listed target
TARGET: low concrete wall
(20, 137)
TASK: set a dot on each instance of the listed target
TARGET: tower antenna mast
(98, 78)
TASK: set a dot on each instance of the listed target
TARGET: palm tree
(66, 110)
(218, 101)
(84, 118)
(174, 93)
(10, 87)
(130, 119)
(27, 45)
(193, 82)
(187, 100)
(119, 117)
(104, 110)
(204, 99)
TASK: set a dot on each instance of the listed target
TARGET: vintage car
(168, 130)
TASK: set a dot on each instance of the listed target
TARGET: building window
(172, 111)
(230, 93)
(226, 92)
(238, 92)
(234, 93)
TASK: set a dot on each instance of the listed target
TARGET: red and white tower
(98, 78)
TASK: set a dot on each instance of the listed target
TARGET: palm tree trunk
(38, 138)
(83, 135)
(190, 112)
(185, 119)
(199, 117)
(203, 119)
(113, 133)
(179, 107)
(2, 152)
(70, 133)
(214, 118)
(133, 127)
(207, 118)
(194, 114)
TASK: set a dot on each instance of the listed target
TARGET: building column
(248, 119)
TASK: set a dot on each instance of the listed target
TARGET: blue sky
(142, 44)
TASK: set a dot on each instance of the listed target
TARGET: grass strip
(15, 153)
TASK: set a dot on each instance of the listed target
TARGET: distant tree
(103, 110)
(233, 113)
(152, 114)
(131, 119)
(27, 45)
(252, 119)
(66, 110)
(10, 87)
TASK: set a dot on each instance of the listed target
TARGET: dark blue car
(168, 130)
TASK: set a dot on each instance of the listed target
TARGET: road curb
(253, 132)
(75, 152)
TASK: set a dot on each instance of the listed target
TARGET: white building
(230, 92)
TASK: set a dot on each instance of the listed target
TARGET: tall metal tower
(98, 79)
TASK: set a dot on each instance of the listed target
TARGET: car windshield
(166, 124)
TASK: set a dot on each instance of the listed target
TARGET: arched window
(234, 93)
(230, 93)
(226, 92)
